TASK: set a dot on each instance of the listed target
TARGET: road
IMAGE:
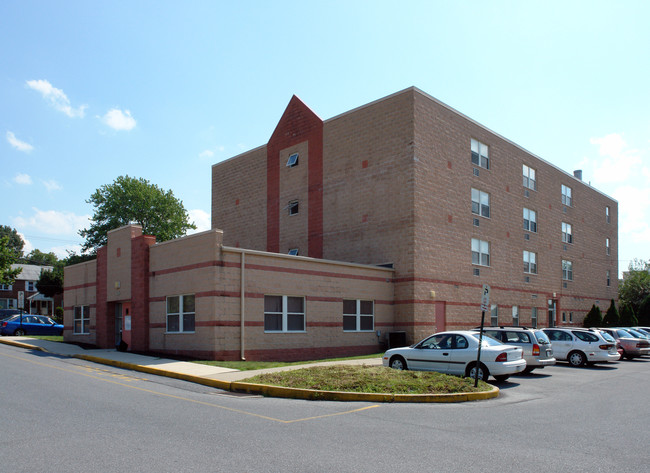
(66, 415)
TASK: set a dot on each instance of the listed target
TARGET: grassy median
(369, 379)
(260, 365)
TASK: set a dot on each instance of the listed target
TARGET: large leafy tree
(628, 319)
(15, 242)
(39, 258)
(635, 287)
(129, 200)
(7, 258)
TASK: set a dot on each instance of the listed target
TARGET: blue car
(29, 324)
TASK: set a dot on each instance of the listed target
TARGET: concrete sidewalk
(230, 379)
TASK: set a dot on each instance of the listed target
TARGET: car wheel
(576, 358)
(483, 372)
(528, 369)
(502, 377)
(398, 363)
(628, 357)
(19, 332)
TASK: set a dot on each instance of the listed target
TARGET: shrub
(611, 318)
(594, 318)
(628, 319)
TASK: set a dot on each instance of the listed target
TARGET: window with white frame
(530, 180)
(480, 154)
(81, 320)
(494, 315)
(566, 195)
(6, 287)
(8, 303)
(607, 246)
(530, 220)
(30, 286)
(607, 219)
(530, 262)
(480, 203)
(358, 315)
(293, 207)
(567, 233)
(533, 317)
(515, 315)
(284, 314)
(180, 313)
(567, 270)
(480, 252)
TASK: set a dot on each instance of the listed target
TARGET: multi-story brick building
(421, 206)
(33, 301)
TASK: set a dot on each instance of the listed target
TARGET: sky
(162, 90)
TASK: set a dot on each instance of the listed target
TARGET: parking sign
(485, 299)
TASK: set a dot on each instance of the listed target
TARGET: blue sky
(162, 90)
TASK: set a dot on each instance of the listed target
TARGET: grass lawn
(260, 365)
(370, 379)
(52, 338)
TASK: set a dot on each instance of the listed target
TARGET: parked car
(6, 313)
(579, 346)
(455, 353)
(644, 330)
(30, 324)
(637, 333)
(535, 344)
(633, 346)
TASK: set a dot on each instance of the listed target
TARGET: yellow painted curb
(22, 345)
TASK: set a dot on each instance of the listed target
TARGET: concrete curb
(279, 391)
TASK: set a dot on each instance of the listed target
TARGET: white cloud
(18, 144)
(634, 209)
(201, 219)
(206, 153)
(119, 120)
(618, 163)
(27, 247)
(53, 222)
(52, 185)
(24, 179)
(57, 98)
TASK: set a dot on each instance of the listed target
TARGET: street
(67, 415)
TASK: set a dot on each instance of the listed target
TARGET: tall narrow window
(609, 280)
(284, 314)
(515, 315)
(607, 246)
(480, 203)
(480, 252)
(567, 270)
(530, 220)
(607, 214)
(180, 313)
(480, 156)
(530, 180)
(358, 316)
(566, 195)
(567, 234)
(494, 315)
(533, 317)
(530, 262)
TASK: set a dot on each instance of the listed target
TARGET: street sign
(485, 299)
(21, 300)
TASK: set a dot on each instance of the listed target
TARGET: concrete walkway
(227, 378)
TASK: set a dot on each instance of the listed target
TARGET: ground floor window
(358, 315)
(284, 314)
(180, 313)
(533, 317)
(494, 316)
(82, 319)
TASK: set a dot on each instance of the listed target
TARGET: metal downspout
(242, 305)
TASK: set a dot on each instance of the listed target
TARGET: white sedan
(455, 353)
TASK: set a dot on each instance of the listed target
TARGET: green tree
(15, 241)
(611, 316)
(594, 317)
(7, 258)
(635, 287)
(644, 312)
(129, 200)
(39, 258)
(50, 283)
(628, 319)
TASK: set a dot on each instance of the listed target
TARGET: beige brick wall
(79, 290)
(119, 262)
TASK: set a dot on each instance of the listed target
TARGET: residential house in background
(35, 302)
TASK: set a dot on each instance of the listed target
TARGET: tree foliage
(628, 319)
(611, 316)
(643, 315)
(15, 242)
(7, 258)
(50, 283)
(635, 287)
(594, 317)
(129, 200)
(39, 258)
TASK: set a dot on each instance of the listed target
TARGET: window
(6, 287)
(82, 319)
(529, 178)
(530, 220)
(533, 317)
(515, 315)
(494, 315)
(567, 270)
(8, 303)
(480, 203)
(293, 252)
(480, 154)
(293, 160)
(563, 317)
(284, 314)
(570, 317)
(567, 235)
(180, 313)
(293, 207)
(358, 316)
(480, 252)
(530, 262)
(566, 195)
(607, 246)
(607, 214)
(608, 278)
(30, 286)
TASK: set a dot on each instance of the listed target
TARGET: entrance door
(118, 323)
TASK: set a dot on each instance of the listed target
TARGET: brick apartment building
(388, 218)
(33, 301)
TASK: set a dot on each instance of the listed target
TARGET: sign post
(485, 305)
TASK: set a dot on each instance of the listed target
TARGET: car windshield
(636, 333)
(624, 334)
(607, 337)
(542, 339)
